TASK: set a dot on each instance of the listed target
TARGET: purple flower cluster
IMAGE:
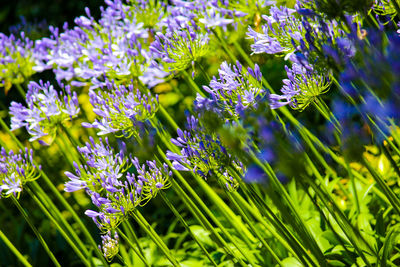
(114, 190)
(300, 89)
(115, 46)
(233, 92)
(282, 27)
(15, 171)
(46, 108)
(177, 49)
(203, 154)
(16, 61)
(315, 46)
(120, 109)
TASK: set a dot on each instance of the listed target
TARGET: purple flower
(203, 154)
(15, 171)
(16, 60)
(46, 108)
(300, 89)
(114, 190)
(121, 108)
(234, 91)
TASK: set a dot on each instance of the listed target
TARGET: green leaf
(390, 241)
(291, 262)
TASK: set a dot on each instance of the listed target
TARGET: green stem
(53, 210)
(38, 235)
(253, 229)
(60, 229)
(189, 79)
(10, 245)
(253, 210)
(20, 90)
(154, 236)
(265, 210)
(204, 207)
(299, 223)
(184, 223)
(133, 236)
(140, 255)
(205, 74)
(168, 117)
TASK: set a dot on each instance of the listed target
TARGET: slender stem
(53, 210)
(20, 90)
(265, 210)
(253, 210)
(189, 79)
(204, 207)
(72, 149)
(154, 236)
(59, 228)
(205, 74)
(10, 245)
(177, 214)
(38, 235)
(226, 211)
(140, 255)
(64, 152)
(168, 117)
(255, 231)
(134, 237)
(299, 223)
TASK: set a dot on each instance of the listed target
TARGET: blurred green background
(53, 12)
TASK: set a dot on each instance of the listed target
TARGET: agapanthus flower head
(178, 49)
(109, 245)
(301, 88)
(120, 109)
(117, 183)
(203, 154)
(235, 90)
(116, 46)
(16, 169)
(46, 109)
(148, 12)
(210, 14)
(304, 37)
(276, 37)
(16, 60)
